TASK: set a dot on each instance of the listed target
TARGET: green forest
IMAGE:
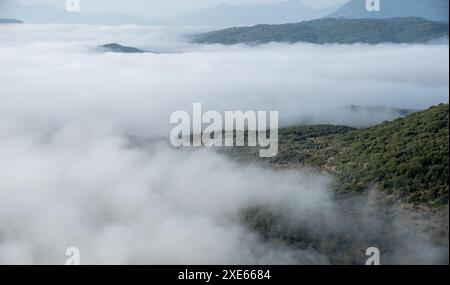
(406, 158)
(330, 30)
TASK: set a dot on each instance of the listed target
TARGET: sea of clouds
(69, 177)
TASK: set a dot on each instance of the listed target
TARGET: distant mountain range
(342, 31)
(229, 15)
(48, 14)
(10, 21)
(436, 10)
(221, 15)
(225, 15)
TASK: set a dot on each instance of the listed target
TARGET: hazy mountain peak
(223, 4)
(436, 10)
(231, 15)
(117, 48)
(43, 13)
(10, 21)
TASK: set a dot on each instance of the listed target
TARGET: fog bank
(52, 75)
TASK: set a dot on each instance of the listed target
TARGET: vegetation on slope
(116, 48)
(407, 158)
(342, 31)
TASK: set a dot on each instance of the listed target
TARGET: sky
(161, 8)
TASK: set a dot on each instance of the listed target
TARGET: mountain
(391, 184)
(10, 21)
(407, 159)
(355, 116)
(116, 48)
(435, 10)
(342, 31)
(232, 15)
(48, 14)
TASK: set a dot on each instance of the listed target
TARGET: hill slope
(342, 31)
(10, 21)
(406, 158)
(435, 10)
(355, 116)
(116, 48)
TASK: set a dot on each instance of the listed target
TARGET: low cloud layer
(69, 177)
(51, 75)
(124, 206)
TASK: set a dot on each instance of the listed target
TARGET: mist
(52, 75)
(121, 204)
(124, 206)
(70, 176)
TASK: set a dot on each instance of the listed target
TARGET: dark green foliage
(406, 158)
(344, 234)
(342, 31)
(119, 48)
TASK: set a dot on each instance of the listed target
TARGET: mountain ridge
(331, 30)
(42, 13)
(435, 10)
(232, 15)
(10, 21)
(406, 158)
(117, 48)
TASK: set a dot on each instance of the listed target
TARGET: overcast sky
(159, 8)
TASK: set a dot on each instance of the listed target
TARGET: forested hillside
(407, 158)
(342, 31)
